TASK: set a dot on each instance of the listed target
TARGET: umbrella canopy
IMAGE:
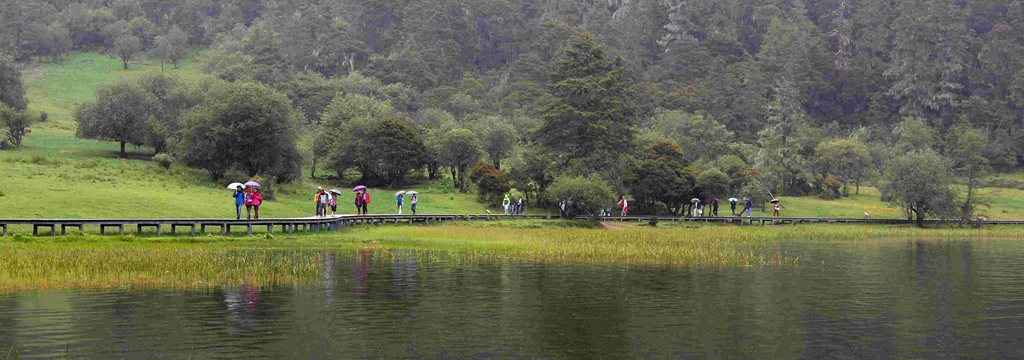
(411, 193)
(746, 199)
(335, 191)
(695, 200)
(733, 200)
(252, 184)
(397, 194)
(774, 201)
(359, 188)
(234, 186)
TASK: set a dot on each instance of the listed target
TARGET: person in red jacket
(248, 203)
(366, 201)
(257, 200)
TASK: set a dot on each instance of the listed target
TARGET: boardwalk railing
(289, 225)
(225, 226)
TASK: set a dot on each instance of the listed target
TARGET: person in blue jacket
(239, 201)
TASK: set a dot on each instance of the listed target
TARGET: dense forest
(662, 100)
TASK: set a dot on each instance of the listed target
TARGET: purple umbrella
(252, 184)
(359, 188)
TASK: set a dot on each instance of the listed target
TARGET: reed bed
(667, 247)
(48, 266)
(105, 262)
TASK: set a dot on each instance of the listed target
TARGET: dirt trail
(610, 226)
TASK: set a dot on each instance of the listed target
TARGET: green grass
(91, 261)
(55, 175)
(58, 87)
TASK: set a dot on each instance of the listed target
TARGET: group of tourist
(413, 200)
(514, 205)
(251, 198)
(695, 207)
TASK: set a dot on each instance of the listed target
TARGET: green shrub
(164, 160)
(492, 184)
(588, 195)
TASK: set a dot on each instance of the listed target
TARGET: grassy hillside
(56, 175)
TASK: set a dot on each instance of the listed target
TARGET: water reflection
(913, 299)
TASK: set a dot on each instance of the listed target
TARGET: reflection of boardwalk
(333, 223)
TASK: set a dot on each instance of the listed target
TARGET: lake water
(890, 300)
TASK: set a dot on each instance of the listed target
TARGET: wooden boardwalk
(225, 226)
(335, 223)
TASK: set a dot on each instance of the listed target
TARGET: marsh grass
(103, 262)
(75, 265)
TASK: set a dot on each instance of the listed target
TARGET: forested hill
(735, 83)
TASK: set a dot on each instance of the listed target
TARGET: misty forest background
(660, 100)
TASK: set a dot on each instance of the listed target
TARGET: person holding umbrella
(359, 204)
(257, 200)
(248, 203)
(413, 200)
(333, 202)
(775, 214)
(696, 206)
(400, 200)
(239, 196)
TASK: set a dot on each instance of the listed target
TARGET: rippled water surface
(893, 299)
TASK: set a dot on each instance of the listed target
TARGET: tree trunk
(123, 155)
(858, 186)
(175, 62)
(125, 61)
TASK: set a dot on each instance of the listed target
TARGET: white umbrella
(399, 193)
(234, 186)
(335, 191)
(733, 200)
(411, 193)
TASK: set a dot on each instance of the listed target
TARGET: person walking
(400, 200)
(248, 204)
(696, 207)
(505, 203)
(520, 205)
(624, 204)
(257, 200)
(239, 201)
(732, 204)
(775, 213)
(714, 207)
(359, 203)
(325, 201)
(749, 206)
(332, 201)
(512, 204)
(413, 201)
(316, 201)
(366, 201)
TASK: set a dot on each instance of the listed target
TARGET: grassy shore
(90, 261)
